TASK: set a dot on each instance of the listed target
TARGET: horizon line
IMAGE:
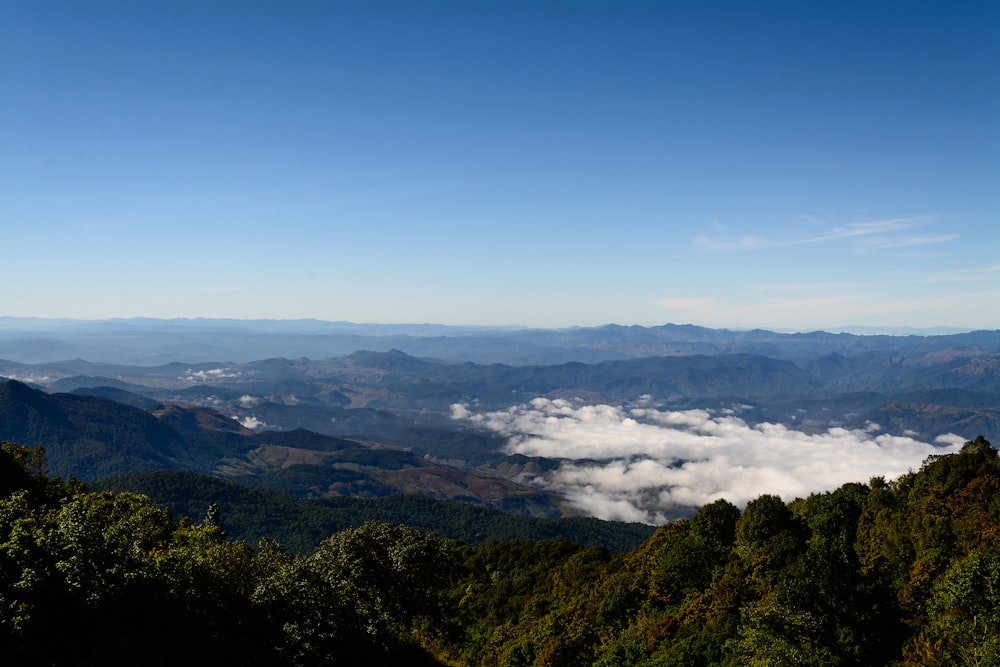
(855, 329)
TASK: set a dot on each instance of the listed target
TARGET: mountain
(195, 419)
(377, 422)
(90, 437)
(902, 571)
(149, 342)
(118, 395)
(396, 399)
(919, 417)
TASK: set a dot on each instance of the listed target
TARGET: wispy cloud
(726, 245)
(989, 273)
(637, 463)
(906, 242)
(838, 233)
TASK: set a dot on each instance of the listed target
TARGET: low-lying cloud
(191, 375)
(251, 423)
(248, 401)
(637, 463)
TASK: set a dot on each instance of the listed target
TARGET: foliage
(300, 525)
(901, 573)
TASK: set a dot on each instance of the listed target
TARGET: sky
(640, 463)
(786, 165)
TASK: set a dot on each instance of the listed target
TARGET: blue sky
(789, 165)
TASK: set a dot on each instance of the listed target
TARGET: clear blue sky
(779, 164)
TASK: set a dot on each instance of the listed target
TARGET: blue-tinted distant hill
(90, 436)
(154, 342)
(394, 384)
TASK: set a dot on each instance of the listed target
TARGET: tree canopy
(902, 572)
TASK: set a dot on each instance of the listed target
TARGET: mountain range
(385, 420)
(147, 342)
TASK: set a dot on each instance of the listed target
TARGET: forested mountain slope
(300, 525)
(901, 572)
(91, 437)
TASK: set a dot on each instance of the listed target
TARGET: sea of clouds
(640, 463)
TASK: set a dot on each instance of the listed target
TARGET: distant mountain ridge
(397, 399)
(147, 342)
(385, 419)
(374, 424)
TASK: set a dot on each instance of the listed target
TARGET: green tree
(963, 627)
(364, 592)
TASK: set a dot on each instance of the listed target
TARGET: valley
(515, 438)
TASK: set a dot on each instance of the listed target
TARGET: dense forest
(301, 524)
(888, 572)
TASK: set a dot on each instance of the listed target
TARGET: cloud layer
(637, 463)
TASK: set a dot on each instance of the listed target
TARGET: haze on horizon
(771, 164)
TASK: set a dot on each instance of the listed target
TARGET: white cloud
(28, 379)
(251, 423)
(459, 411)
(950, 439)
(636, 464)
(191, 375)
(248, 401)
(906, 242)
(879, 228)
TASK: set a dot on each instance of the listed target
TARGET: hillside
(395, 399)
(90, 437)
(300, 525)
(863, 405)
(902, 572)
